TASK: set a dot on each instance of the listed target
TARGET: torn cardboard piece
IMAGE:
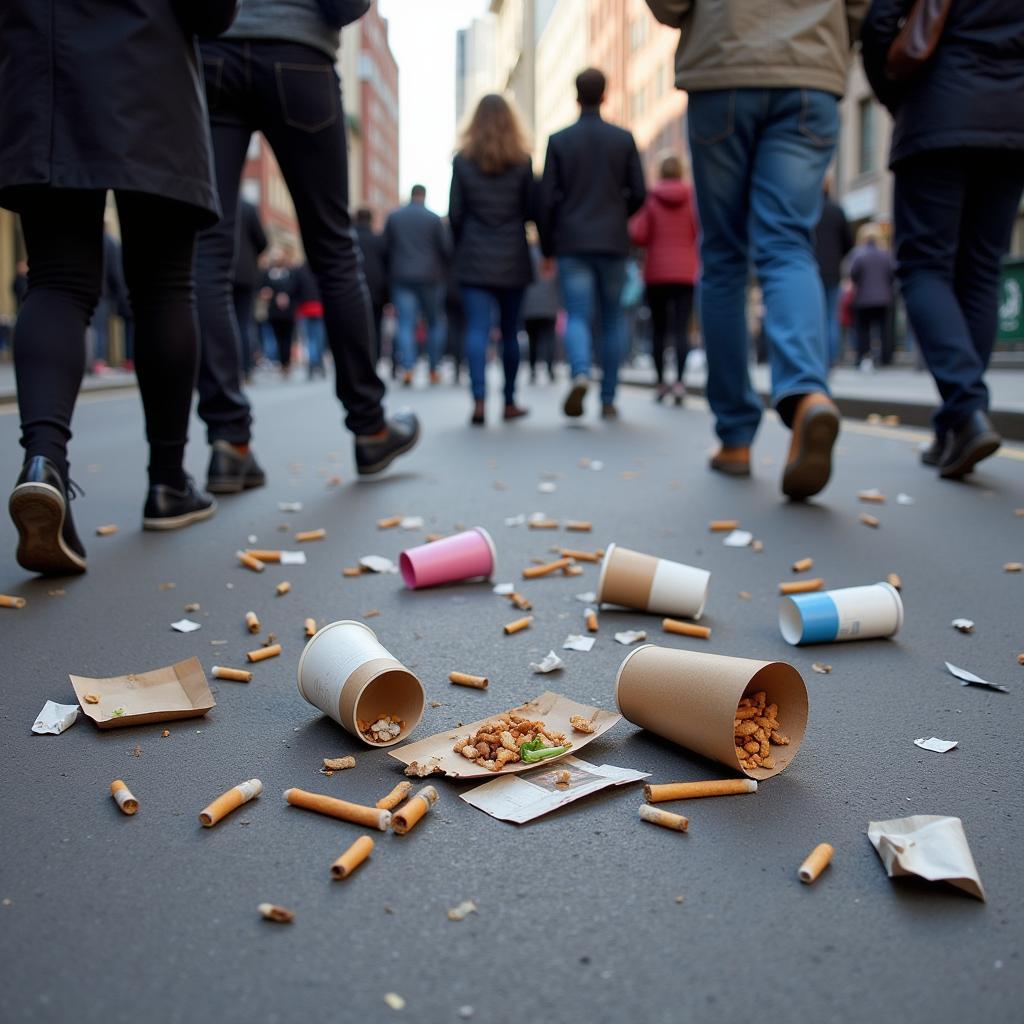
(55, 718)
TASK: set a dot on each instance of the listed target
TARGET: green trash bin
(1011, 303)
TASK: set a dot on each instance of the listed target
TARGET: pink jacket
(666, 226)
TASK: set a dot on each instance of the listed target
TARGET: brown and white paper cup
(351, 677)
(690, 698)
(651, 584)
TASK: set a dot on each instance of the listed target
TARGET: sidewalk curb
(10, 397)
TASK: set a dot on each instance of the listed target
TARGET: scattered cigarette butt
(7, 601)
(816, 862)
(264, 652)
(686, 628)
(369, 817)
(654, 794)
(352, 857)
(745, 595)
(413, 809)
(464, 679)
(803, 564)
(723, 525)
(91, 698)
(462, 911)
(282, 588)
(873, 496)
(166, 733)
(801, 586)
(372, 613)
(123, 795)
(522, 603)
(519, 624)
(395, 797)
(236, 675)
(338, 764)
(573, 570)
(352, 570)
(388, 523)
(821, 667)
(193, 607)
(252, 622)
(757, 546)
(309, 626)
(579, 525)
(869, 520)
(666, 819)
(394, 1000)
(542, 524)
(229, 801)
(431, 537)
(581, 556)
(545, 570)
(304, 535)
(106, 530)
(264, 555)
(1013, 567)
(249, 562)
(1020, 658)
(591, 621)
(1019, 512)
(893, 579)
(272, 912)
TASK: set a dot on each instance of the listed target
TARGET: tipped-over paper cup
(651, 584)
(449, 560)
(346, 673)
(691, 698)
(855, 613)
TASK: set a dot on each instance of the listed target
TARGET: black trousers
(63, 231)
(868, 319)
(290, 93)
(541, 334)
(284, 335)
(670, 306)
(245, 300)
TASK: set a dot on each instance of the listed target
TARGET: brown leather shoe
(732, 460)
(815, 429)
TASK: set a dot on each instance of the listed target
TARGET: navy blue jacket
(969, 95)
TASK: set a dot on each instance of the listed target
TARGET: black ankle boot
(975, 439)
(39, 506)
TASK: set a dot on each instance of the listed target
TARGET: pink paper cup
(465, 556)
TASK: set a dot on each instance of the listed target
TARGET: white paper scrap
(55, 718)
(551, 662)
(503, 589)
(289, 506)
(546, 487)
(579, 643)
(631, 636)
(963, 625)
(185, 626)
(970, 679)
(904, 499)
(596, 465)
(738, 539)
(518, 520)
(293, 558)
(377, 563)
(412, 523)
(588, 598)
(939, 746)
(537, 517)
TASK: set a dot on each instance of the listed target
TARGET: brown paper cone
(690, 698)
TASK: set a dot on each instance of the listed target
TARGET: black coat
(488, 215)
(100, 95)
(970, 94)
(252, 241)
(375, 266)
(593, 183)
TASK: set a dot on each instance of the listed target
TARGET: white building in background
(475, 74)
(348, 71)
(561, 55)
(514, 51)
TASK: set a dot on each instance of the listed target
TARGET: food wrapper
(55, 718)
(935, 744)
(551, 662)
(578, 643)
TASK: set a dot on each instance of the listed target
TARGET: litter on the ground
(588, 598)
(377, 563)
(933, 743)
(272, 912)
(289, 506)
(55, 718)
(738, 539)
(970, 679)
(963, 625)
(822, 667)
(631, 636)
(186, 626)
(551, 662)
(518, 520)
(573, 642)
(462, 911)
(817, 860)
(904, 499)
(503, 589)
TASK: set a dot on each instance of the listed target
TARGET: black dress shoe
(375, 454)
(230, 472)
(47, 541)
(170, 509)
(974, 440)
(932, 453)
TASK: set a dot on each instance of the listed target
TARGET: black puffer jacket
(488, 215)
(970, 94)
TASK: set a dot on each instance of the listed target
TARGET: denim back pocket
(712, 115)
(819, 117)
(308, 94)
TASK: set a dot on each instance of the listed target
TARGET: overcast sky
(422, 36)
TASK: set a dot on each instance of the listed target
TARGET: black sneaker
(974, 440)
(170, 509)
(47, 541)
(375, 454)
(230, 472)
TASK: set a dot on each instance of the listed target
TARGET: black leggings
(64, 237)
(670, 303)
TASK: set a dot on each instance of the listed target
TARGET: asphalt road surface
(587, 914)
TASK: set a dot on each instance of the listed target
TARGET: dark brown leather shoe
(815, 429)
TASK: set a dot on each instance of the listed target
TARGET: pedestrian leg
(657, 303)
(510, 301)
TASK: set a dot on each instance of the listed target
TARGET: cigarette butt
(533, 571)
(264, 652)
(252, 622)
(7, 601)
(282, 588)
(264, 555)
(581, 556)
(107, 530)
(723, 525)
(579, 525)
(123, 795)
(413, 809)
(521, 602)
(757, 546)
(666, 819)
(462, 679)
(591, 620)
(272, 912)
(869, 520)
(388, 523)
(369, 817)
(431, 537)
(395, 797)
(685, 628)
(352, 857)
(236, 675)
(573, 570)
(816, 862)
(1020, 658)
(542, 524)
(352, 570)
(310, 627)
(229, 801)
(803, 564)
(515, 627)
(249, 562)
(1013, 567)
(305, 535)
(801, 586)
(893, 579)
(655, 794)
(873, 496)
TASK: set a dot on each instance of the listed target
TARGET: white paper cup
(854, 613)
(650, 584)
(350, 676)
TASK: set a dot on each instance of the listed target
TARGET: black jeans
(290, 93)
(284, 335)
(866, 320)
(245, 300)
(541, 334)
(670, 306)
(64, 236)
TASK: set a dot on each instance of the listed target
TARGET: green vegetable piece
(532, 752)
(117, 713)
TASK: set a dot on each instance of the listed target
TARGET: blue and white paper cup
(854, 613)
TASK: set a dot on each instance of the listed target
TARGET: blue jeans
(587, 281)
(315, 335)
(478, 309)
(410, 301)
(835, 352)
(759, 158)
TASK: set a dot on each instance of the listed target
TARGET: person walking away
(252, 243)
(832, 241)
(666, 227)
(309, 314)
(592, 183)
(419, 250)
(764, 78)
(490, 202)
(279, 290)
(872, 272)
(274, 73)
(99, 98)
(541, 304)
(371, 247)
(957, 154)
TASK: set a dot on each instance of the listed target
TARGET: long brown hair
(494, 139)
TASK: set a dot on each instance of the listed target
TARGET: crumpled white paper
(289, 506)
(503, 589)
(547, 487)
(411, 523)
(738, 539)
(631, 636)
(537, 517)
(578, 643)
(378, 563)
(970, 679)
(55, 718)
(596, 465)
(518, 520)
(904, 499)
(186, 626)
(963, 625)
(293, 558)
(933, 743)
(931, 846)
(551, 662)
(588, 598)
